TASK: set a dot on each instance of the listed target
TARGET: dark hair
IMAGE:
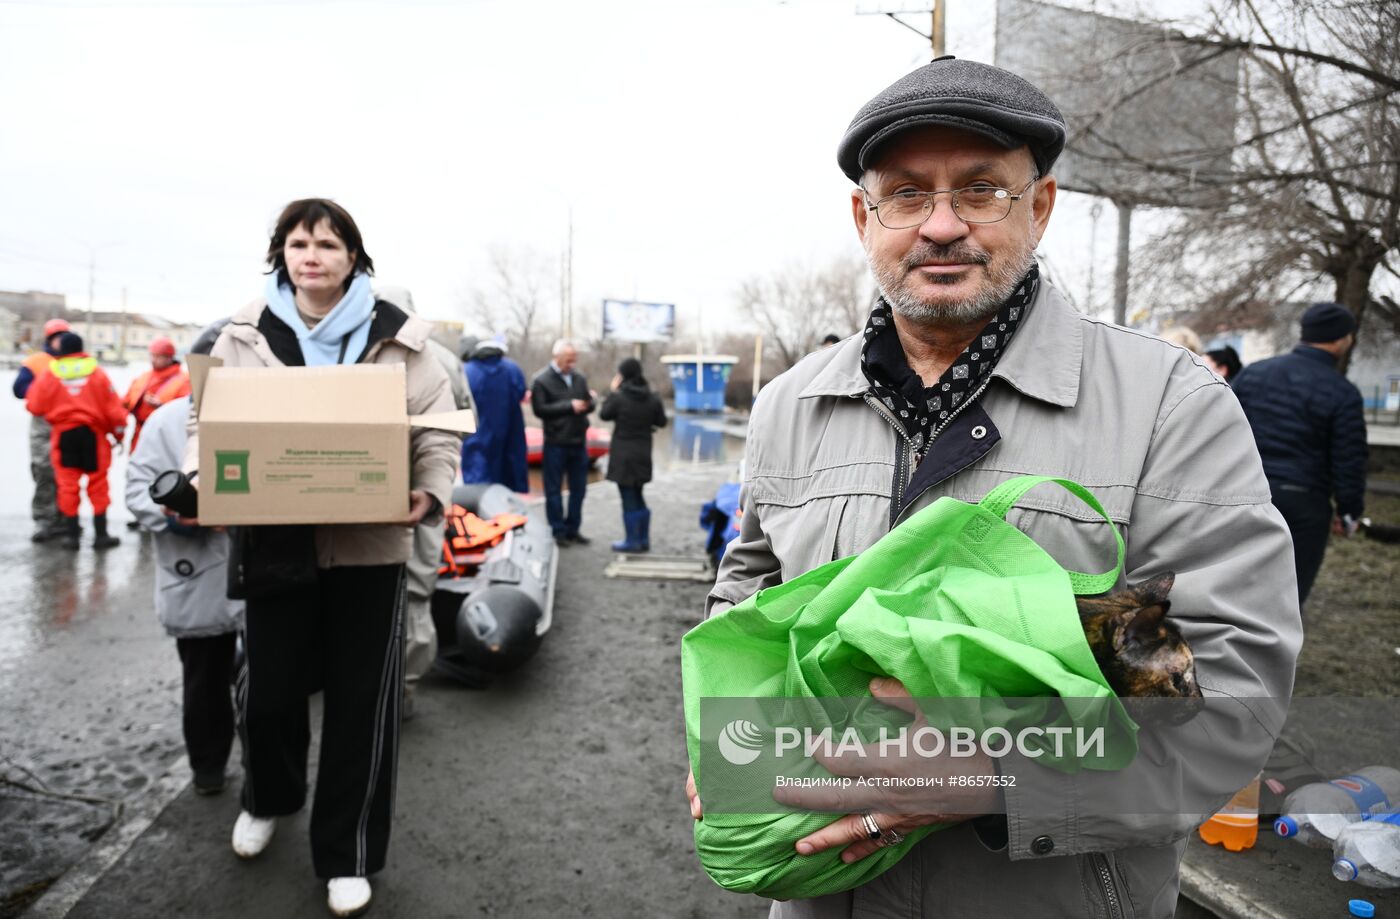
(1228, 358)
(630, 368)
(831, 340)
(309, 212)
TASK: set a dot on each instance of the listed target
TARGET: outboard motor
(494, 620)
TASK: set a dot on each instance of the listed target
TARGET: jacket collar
(1315, 354)
(1042, 361)
(390, 323)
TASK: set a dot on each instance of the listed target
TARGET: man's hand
(580, 406)
(419, 504)
(181, 526)
(900, 808)
(115, 439)
(696, 812)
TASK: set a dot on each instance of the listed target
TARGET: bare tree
(1310, 203)
(796, 306)
(514, 297)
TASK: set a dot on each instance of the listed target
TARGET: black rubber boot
(101, 538)
(72, 532)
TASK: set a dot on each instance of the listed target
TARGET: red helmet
(162, 345)
(54, 326)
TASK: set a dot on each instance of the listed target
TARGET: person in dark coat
(496, 452)
(560, 397)
(1311, 432)
(637, 412)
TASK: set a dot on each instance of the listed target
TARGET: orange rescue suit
(153, 389)
(75, 393)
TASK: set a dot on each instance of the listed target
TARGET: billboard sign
(629, 320)
(1132, 93)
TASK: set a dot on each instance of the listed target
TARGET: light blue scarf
(345, 330)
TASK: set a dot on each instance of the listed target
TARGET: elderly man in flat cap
(973, 369)
(1310, 426)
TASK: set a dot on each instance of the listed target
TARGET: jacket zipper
(1110, 891)
(905, 454)
(902, 463)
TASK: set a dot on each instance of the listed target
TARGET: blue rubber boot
(644, 529)
(632, 543)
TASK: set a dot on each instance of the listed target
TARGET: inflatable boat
(494, 598)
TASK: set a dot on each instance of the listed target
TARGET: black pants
(1308, 514)
(208, 712)
(345, 635)
(565, 462)
(632, 499)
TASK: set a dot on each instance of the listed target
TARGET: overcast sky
(693, 141)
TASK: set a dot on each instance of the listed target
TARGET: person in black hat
(636, 412)
(972, 370)
(1311, 432)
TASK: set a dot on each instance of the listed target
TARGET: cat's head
(1143, 654)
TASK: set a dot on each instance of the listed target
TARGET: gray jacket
(1165, 447)
(191, 569)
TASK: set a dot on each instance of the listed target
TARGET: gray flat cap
(962, 94)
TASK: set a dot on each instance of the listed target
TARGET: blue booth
(699, 380)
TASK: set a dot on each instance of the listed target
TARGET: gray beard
(1003, 282)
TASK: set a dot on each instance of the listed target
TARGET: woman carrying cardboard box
(325, 603)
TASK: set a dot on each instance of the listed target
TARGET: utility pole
(938, 16)
(569, 279)
(92, 282)
(1120, 272)
(121, 345)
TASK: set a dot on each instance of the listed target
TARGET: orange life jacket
(37, 362)
(153, 389)
(466, 537)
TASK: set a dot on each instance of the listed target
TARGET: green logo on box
(232, 466)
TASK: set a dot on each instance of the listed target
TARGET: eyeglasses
(973, 204)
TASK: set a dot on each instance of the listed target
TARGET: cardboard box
(306, 444)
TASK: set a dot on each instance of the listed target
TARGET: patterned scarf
(923, 411)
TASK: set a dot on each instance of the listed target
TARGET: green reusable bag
(956, 603)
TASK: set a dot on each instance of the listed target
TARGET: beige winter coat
(434, 455)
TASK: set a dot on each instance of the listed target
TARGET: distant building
(9, 331)
(123, 337)
(117, 337)
(32, 308)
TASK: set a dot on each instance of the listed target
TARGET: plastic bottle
(1316, 813)
(1368, 852)
(1236, 825)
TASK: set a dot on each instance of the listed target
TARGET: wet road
(89, 725)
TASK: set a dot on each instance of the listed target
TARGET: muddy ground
(557, 791)
(1351, 643)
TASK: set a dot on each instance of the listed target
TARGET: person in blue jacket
(496, 452)
(1311, 432)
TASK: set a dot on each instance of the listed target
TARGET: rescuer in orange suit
(77, 398)
(44, 505)
(165, 382)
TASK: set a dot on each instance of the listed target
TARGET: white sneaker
(252, 834)
(348, 896)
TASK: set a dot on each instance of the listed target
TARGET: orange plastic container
(1236, 826)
